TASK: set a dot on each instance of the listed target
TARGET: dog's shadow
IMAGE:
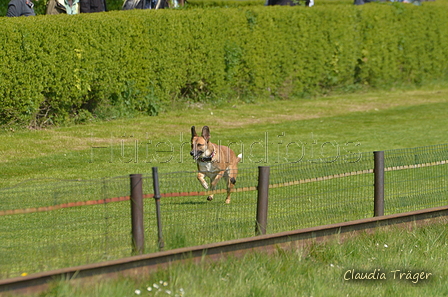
(191, 203)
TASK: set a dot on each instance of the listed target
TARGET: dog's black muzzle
(196, 154)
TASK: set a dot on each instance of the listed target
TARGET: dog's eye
(200, 144)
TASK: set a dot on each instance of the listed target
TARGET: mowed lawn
(269, 132)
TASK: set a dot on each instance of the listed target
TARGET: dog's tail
(240, 156)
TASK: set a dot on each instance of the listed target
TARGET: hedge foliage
(57, 69)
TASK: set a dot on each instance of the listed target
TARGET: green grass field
(321, 269)
(361, 122)
(269, 132)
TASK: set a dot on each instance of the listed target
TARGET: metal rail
(145, 263)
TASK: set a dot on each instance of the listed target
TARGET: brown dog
(214, 161)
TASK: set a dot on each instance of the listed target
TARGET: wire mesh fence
(62, 223)
(53, 224)
(416, 178)
(320, 192)
(189, 219)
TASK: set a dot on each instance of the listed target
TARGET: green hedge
(57, 69)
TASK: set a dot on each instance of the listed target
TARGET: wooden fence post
(138, 238)
(262, 201)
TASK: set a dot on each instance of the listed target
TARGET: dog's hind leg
(231, 180)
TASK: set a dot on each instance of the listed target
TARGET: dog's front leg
(202, 180)
(216, 179)
(214, 183)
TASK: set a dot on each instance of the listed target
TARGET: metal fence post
(262, 201)
(138, 239)
(379, 183)
(155, 180)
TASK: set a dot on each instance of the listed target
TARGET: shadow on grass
(191, 203)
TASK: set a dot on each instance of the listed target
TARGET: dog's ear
(206, 133)
(193, 132)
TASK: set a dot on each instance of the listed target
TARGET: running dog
(214, 161)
